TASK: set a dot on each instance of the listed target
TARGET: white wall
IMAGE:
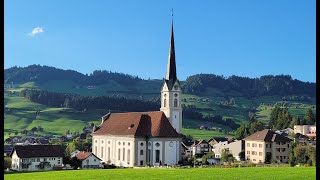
(17, 163)
(90, 161)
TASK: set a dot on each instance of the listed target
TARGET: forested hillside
(268, 85)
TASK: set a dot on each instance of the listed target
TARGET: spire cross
(172, 12)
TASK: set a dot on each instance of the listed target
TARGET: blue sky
(247, 38)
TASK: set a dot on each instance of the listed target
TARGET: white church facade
(144, 138)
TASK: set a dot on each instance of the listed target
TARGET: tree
(268, 158)
(241, 155)
(226, 156)
(309, 117)
(301, 154)
(255, 127)
(7, 162)
(241, 132)
(206, 157)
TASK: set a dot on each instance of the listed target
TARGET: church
(144, 138)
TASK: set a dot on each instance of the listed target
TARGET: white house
(144, 138)
(234, 147)
(88, 159)
(36, 157)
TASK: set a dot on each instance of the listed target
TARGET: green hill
(212, 100)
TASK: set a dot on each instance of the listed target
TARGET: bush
(7, 162)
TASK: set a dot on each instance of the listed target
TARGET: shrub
(7, 162)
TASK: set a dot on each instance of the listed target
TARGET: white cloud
(36, 31)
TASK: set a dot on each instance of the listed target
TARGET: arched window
(164, 102)
(175, 103)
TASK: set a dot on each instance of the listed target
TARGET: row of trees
(302, 154)
(252, 87)
(78, 102)
(280, 118)
(37, 73)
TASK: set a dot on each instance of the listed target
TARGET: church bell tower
(171, 90)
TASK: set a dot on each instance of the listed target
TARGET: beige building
(307, 130)
(267, 144)
(144, 138)
(234, 147)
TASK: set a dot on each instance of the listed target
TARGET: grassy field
(204, 134)
(248, 173)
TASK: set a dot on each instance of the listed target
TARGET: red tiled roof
(138, 124)
(268, 136)
(82, 155)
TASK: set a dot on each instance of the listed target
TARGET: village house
(234, 147)
(186, 149)
(36, 157)
(200, 147)
(300, 138)
(216, 140)
(144, 138)
(307, 130)
(88, 160)
(267, 144)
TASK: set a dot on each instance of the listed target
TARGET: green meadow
(247, 173)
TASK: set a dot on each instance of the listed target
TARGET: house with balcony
(265, 146)
(36, 157)
(200, 147)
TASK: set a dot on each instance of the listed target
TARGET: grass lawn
(203, 134)
(255, 173)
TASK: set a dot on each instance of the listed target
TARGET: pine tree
(309, 117)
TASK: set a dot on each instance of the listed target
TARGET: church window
(128, 156)
(119, 143)
(164, 102)
(149, 155)
(141, 152)
(95, 150)
(128, 144)
(123, 154)
(102, 142)
(108, 152)
(119, 154)
(157, 156)
(157, 144)
(108, 142)
(141, 144)
(175, 95)
(123, 143)
(175, 103)
(101, 152)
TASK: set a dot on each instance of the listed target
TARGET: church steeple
(171, 67)
(171, 90)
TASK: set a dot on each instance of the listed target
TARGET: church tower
(171, 90)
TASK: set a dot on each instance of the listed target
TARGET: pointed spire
(171, 67)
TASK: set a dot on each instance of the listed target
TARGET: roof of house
(82, 155)
(268, 136)
(299, 135)
(138, 124)
(7, 148)
(30, 151)
(218, 139)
